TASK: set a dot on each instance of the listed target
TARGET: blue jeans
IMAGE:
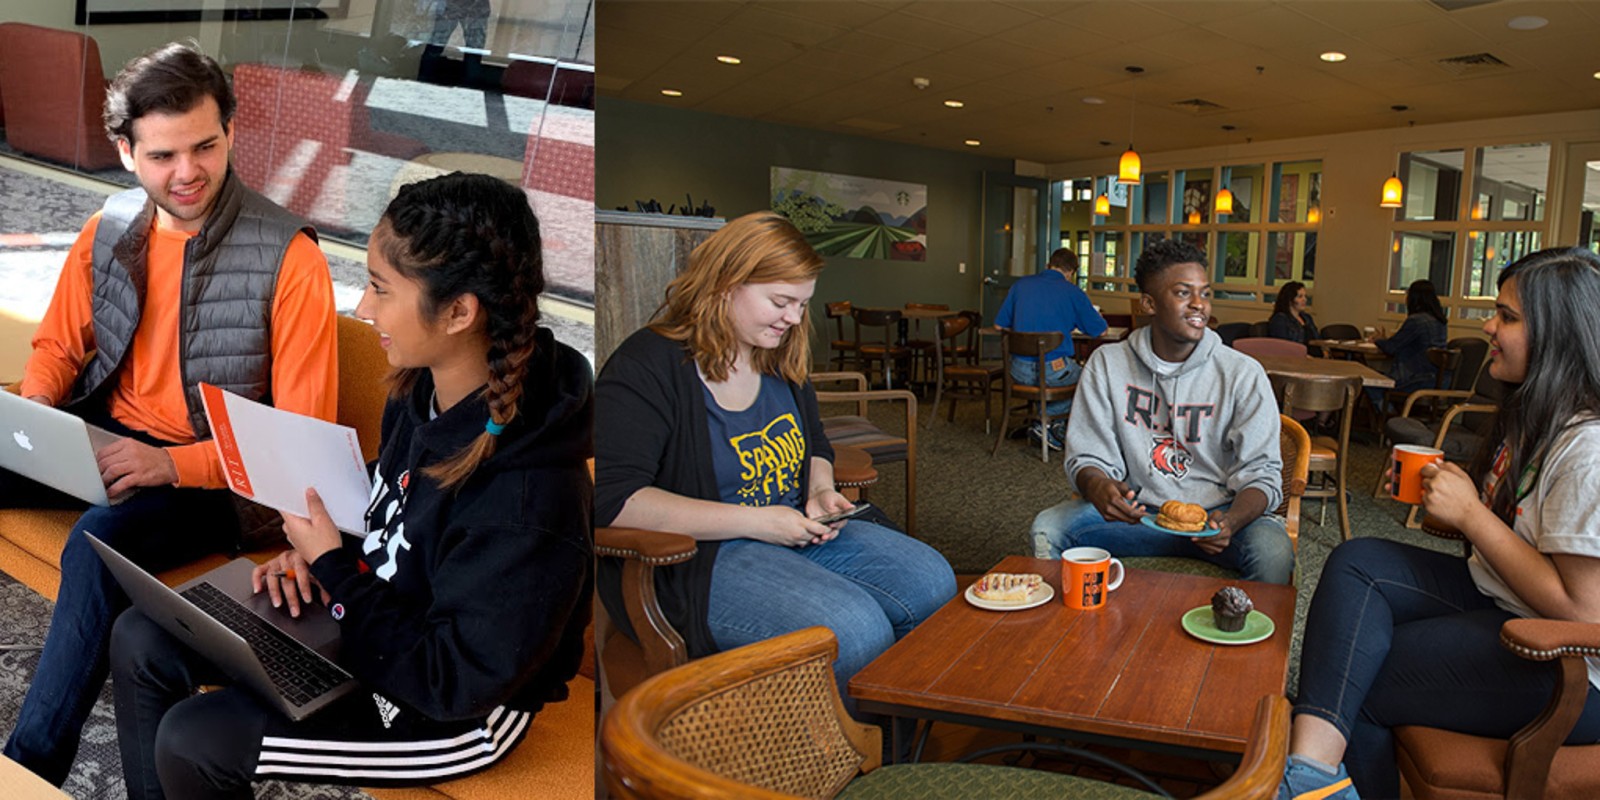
(1398, 635)
(870, 586)
(1260, 552)
(157, 528)
(1026, 371)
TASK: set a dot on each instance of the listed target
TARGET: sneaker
(1307, 779)
(1036, 432)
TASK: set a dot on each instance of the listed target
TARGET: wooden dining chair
(843, 348)
(1033, 398)
(956, 377)
(1342, 331)
(883, 347)
(766, 722)
(921, 346)
(1329, 454)
(1533, 764)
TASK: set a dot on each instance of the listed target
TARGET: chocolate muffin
(1229, 607)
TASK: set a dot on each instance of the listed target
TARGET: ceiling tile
(978, 19)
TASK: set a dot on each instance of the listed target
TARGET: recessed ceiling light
(1333, 56)
(672, 92)
(973, 142)
(1526, 23)
(730, 59)
(953, 104)
(1094, 101)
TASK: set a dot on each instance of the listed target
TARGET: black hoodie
(460, 601)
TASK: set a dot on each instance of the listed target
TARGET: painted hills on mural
(854, 217)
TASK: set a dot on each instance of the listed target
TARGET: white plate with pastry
(1000, 591)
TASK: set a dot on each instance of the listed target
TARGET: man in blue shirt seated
(1050, 301)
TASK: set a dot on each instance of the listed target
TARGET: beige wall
(1353, 247)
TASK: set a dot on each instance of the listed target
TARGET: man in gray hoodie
(1173, 414)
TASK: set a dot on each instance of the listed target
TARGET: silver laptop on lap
(290, 662)
(52, 447)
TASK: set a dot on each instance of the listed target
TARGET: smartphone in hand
(829, 519)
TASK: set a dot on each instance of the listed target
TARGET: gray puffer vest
(230, 274)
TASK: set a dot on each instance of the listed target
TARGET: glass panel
(1238, 257)
(1492, 252)
(1417, 255)
(1117, 194)
(1150, 199)
(1588, 225)
(1200, 240)
(1293, 258)
(1509, 182)
(1105, 261)
(1246, 183)
(1194, 186)
(1432, 185)
(1296, 187)
(1474, 314)
(1077, 209)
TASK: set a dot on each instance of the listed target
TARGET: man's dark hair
(171, 79)
(1158, 257)
(1063, 259)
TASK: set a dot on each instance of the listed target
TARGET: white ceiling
(1023, 68)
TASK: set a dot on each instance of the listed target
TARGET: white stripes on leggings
(399, 760)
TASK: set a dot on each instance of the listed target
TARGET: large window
(1460, 238)
(1268, 238)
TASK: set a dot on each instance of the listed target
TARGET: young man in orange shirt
(190, 278)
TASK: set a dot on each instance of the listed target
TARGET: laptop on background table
(53, 447)
(290, 662)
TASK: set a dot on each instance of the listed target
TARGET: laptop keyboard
(299, 672)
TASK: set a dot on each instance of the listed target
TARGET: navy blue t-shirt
(757, 454)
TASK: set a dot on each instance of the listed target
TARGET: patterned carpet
(976, 509)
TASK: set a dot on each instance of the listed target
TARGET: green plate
(1200, 624)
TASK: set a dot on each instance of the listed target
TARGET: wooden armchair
(858, 430)
(623, 662)
(1533, 763)
(1458, 435)
(765, 722)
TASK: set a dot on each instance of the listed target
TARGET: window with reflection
(1294, 258)
(1106, 260)
(1509, 182)
(1296, 189)
(1246, 184)
(1489, 252)
(1193, 188)
(1419, 255)
(1432, 181)
(1149, 199)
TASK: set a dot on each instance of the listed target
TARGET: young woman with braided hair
(462, 609)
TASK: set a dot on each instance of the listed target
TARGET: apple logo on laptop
(22, 440)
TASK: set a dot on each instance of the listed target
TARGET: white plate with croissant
(1003, 591)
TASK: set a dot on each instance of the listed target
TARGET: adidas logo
(387, 711)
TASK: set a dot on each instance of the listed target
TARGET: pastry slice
(1005, 587)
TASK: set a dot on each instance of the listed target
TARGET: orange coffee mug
(1087, 577)
(1406, 479)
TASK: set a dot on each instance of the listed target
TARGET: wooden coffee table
(1127, 674)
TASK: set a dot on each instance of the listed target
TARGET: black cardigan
(650, 430)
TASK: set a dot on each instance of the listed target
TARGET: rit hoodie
(459, 601)
(1201, 430)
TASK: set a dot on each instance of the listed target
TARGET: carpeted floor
(977, 509)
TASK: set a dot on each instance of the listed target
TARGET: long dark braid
(472, 234)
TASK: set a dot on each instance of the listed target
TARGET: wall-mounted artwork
(855, 217)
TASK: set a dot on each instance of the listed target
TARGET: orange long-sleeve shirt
(148, 395)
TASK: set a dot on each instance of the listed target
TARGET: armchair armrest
(857, 378)
(1533, 749)
(1456, 411)
(642, 551)
(1445, 394)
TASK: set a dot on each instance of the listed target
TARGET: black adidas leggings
(177, 744)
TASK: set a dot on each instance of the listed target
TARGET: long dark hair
(471, 234)
(1559, 289)
(1422, 298)
(1286, 295)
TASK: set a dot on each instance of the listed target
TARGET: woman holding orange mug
(1398, 635)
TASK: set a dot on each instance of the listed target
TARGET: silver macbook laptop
(290, 662)
(53, 447)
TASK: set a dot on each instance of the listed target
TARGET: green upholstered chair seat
(967, 781)
(1185, 566)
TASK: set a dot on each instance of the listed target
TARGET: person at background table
(462, 608)
(1171, 413)
(1398, 635)
(708, 426)
(1050, 302)
(189, 278)
(1290, 320)
(1424, 327)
